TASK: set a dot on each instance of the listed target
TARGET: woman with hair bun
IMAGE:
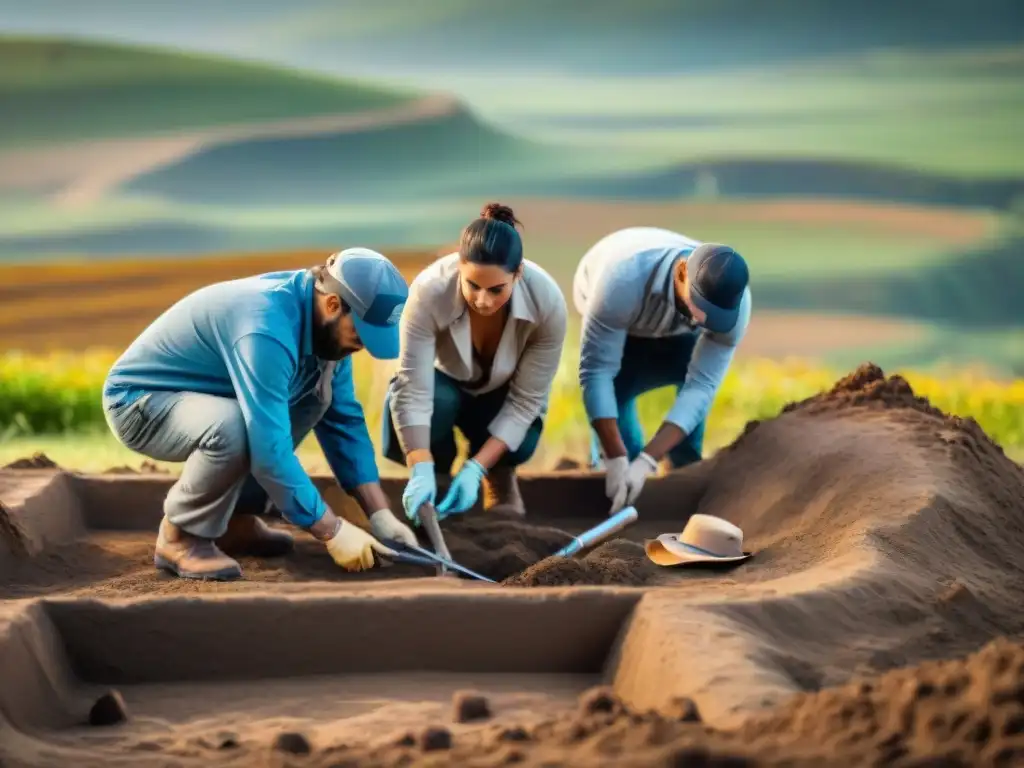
(481, 340)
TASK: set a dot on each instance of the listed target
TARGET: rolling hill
(447, 154)
(57, 90)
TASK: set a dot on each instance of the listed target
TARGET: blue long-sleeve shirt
(624, 286)
(251, 339)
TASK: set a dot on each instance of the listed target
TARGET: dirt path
(82, 173)
(573, 221)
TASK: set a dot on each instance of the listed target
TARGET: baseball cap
(376, 291)
(718, 276)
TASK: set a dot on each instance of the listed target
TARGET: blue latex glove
(421, 489)
(463, 491)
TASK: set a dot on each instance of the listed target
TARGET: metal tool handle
(601, 531)
(428, 519)
(451, 564)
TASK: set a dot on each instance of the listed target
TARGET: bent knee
(228, 436)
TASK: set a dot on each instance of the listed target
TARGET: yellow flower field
(42, 397)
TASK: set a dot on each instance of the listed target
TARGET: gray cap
(375, 290)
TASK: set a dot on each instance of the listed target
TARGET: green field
(544, 138)
(956, 112)
(58, 90)
(606, 137)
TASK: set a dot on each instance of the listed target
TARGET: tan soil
(865, 630)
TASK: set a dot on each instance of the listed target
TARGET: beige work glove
(385, 525)
(642, 467)
(352, 548)
(615, 482)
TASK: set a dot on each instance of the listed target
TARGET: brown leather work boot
(249, 536)
(192, 557)
(501, 491)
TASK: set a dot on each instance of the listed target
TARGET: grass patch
(54, 402)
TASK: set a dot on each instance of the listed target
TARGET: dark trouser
(472, 414)
(649, 364)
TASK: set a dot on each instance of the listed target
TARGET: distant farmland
(799, 249)
(106, 304)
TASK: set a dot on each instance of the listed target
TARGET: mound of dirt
(500, 544)
(867, 453)
(869, 388)
(617, 562)
(896, 528)
(516, 553)
(962, 712)
(145, 468)
(35, 461)
(967, 711)
(958, 713)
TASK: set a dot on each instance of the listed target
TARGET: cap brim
(717, 320)
(381, 341)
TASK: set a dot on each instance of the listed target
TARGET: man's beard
(682, 309)
(325, 341)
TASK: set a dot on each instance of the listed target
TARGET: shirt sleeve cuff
(599, 401)
(509, 430)
(687, 412)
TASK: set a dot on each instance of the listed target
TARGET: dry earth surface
(877, 623)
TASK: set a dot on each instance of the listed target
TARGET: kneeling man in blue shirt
(230, 380)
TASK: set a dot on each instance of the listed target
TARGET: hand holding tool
(642, 467)
(384, 525)
(420, 489)
(352, 548)
(616, 481)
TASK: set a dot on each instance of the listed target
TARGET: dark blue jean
(649, 364)
(471, 414)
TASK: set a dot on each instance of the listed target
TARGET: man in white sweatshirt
(659, 309)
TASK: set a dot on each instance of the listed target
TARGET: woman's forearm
(490, 452)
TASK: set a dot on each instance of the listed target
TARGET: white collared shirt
(435, 332)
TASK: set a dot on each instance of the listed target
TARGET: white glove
(352, 548)
(642, 467)
(615, 487)
(385, 525)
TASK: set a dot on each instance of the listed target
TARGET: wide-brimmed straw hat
(705, 539)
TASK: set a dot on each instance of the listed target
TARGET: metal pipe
(599, 532)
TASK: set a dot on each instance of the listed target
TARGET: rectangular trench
(250, 637)
(264, 655)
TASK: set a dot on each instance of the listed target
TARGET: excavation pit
(886, 535)
(243, 669)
